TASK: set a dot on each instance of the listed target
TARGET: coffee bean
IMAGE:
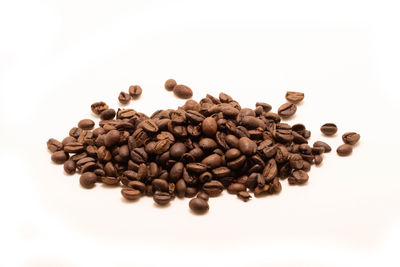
(110, 180)
(326, 147)
(296, 161)
(160, 185)
(343, 150)
(213, 188)
(318, 159)
(111, 138)
(130, 193)
(86, 124)
(135, 91)
(59, 157)
(287, 110)
(203, 195)
(170, 84)
(209, 126)
(124, 98)
(88, 179)
(244, 195)
(329, 129)
(161, 198)
(298, 177)
(54, 145)
(207, 144)
(198, 205)
(149, 125)
(212, 161)
(270, 170)
(235, 188)
(177, 150)
(107, 114)
(68, 139)
(247, 146)
(351, 138)
(261, 191)
(70, 166)
(266, 107)
(182, 91)
(137, 185)
(294, 97)
(98, 107)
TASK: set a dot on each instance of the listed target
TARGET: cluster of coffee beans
(135, 91)
(195, 151)
(180, 90)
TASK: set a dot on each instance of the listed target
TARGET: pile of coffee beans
(195, 151)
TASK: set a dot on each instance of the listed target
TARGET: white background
(58, 57)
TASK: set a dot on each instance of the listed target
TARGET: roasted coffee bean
(232, 154)
(107, 114)
(299, 128)
(135, 91)
(298, 177)
(351, 138)
(296, 161)
(54, 145)
(213, 188)
(70, 166)
(161, 198)
(221, 172)
(160, 185)
(317, 150)
(244, 195)
(124, 98)
(176, 171)
(131, 194)
(59, 157)
(182, 91)
(161, 146)
(198, 205)
(235, 188)
(203, 195)
(318, 159)
(247, 146)
(266, 107)
(88, 179)
(86, 124)
(149, 125)
(212, 161)
(270, 170)
(326, 147)
(75, 132)
(261, 191)
(209, 126)
(307, 134)
(329, 129)
(343, 150)
(170, 84)
(98, 107)
(237, 163)
(137, 185)
(275, 186)
(207, 144)
(110, 180)
(112, 138)
(67, 140)
(196, 167)
(287, 110)
(306, 166)
(180, 188)
(294, 97)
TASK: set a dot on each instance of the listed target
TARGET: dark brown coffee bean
(287, 110)
(351, 138)
(107, 114)
(75, 132)
(190, 191)
(137, 185)
(196, 167)
(161, 198)
(203, 195)
(169, 84)
(237, 163)
(244, 195)
(160, 185)
(135, 91)
(343, 150)
(307, 134)
(198, 205)
(326, 147)
(298, 177)
(318, 159)
(161, 146)
(296, 161)
(131, 194)
(110, 169)
(235, 188)
(54, 145)
(261, 191)
(212, 161)
(270, 170)
(329, 129)
(299, 128)
(88, 179)
(209, 126)
(112, 138)
(67, 140)
(110, 180)
(149, 125)
(182, 91)
(124, 98)
(59, 157)
(86, 124)
(207, 144)
(266, 107)
(306, 166)
(251, 122)
(282, 154)
(232, 154)
(247, 146)
(317, 150)
(294, 97)
(180, 188)
(98, 107)
(70, 166)
(221, 172)
(213, 188)
(176, 171)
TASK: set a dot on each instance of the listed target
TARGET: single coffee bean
(270, 170)
(212, 161)
(244, 195)
(203, 195)
(135, 91)
(294, 97)
(124, 98)
(110, 180)
(266, 107)
(296, 161)
(161, 198)
(130, 193)
(112, 138)
(298, 177)
(235, 188)
(198, 205)
(287, 110)
(59, 157)
(299, 128)
(70, 166)
(67, 140)
(213, 188)
(207, 144)
(98, 107)
(177, 150)
(107, 114)
(160, 185)
(351, 138)
(326, 147)
(86, 124)
(329, 129)
(190, 191)
(75, 132)
(183, 91)
(209, 126)
(137, 185)
(247, 146)
(261, 190)
(88, 179)
(169, 84)
(54, 145)
(343, 150)
(149, 125)
(318, 159)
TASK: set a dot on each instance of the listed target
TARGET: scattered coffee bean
(287, 110)
(198, 205)
(343, 150)
(351, 138)
(70, 166)
(329, 129)
(59, 157)
(135, 91)
(326, 147)
(182, 91)
(86, 124)
(170, 84)
(124, 98)
(88, 179)
(294, 97)
(98, 107)
(54, 145)
(107, 114)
